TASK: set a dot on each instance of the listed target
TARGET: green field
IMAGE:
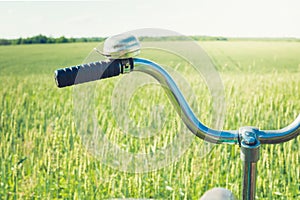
(42, 155)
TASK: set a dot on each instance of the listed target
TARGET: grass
(43, 157)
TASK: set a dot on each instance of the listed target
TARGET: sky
(228, 18)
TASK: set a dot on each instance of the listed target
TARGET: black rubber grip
(91, 72)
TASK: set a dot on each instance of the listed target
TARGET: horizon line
(158, 36)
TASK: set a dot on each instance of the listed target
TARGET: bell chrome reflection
(121, 46)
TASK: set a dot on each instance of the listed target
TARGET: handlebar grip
(92, 71)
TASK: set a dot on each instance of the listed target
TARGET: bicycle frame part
(250, 146)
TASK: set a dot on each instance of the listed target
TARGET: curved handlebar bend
(181, 106)
(198, 128)
(278, 136)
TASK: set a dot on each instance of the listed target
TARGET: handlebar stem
(250, 147)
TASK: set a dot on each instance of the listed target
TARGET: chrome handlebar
(121, 48)
(195, 125)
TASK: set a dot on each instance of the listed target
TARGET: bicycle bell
(121, 46)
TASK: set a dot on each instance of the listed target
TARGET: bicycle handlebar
(195, 125)
(91, 71)
(67, 77)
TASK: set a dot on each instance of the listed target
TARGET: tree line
(42, 39)
(182, 38)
